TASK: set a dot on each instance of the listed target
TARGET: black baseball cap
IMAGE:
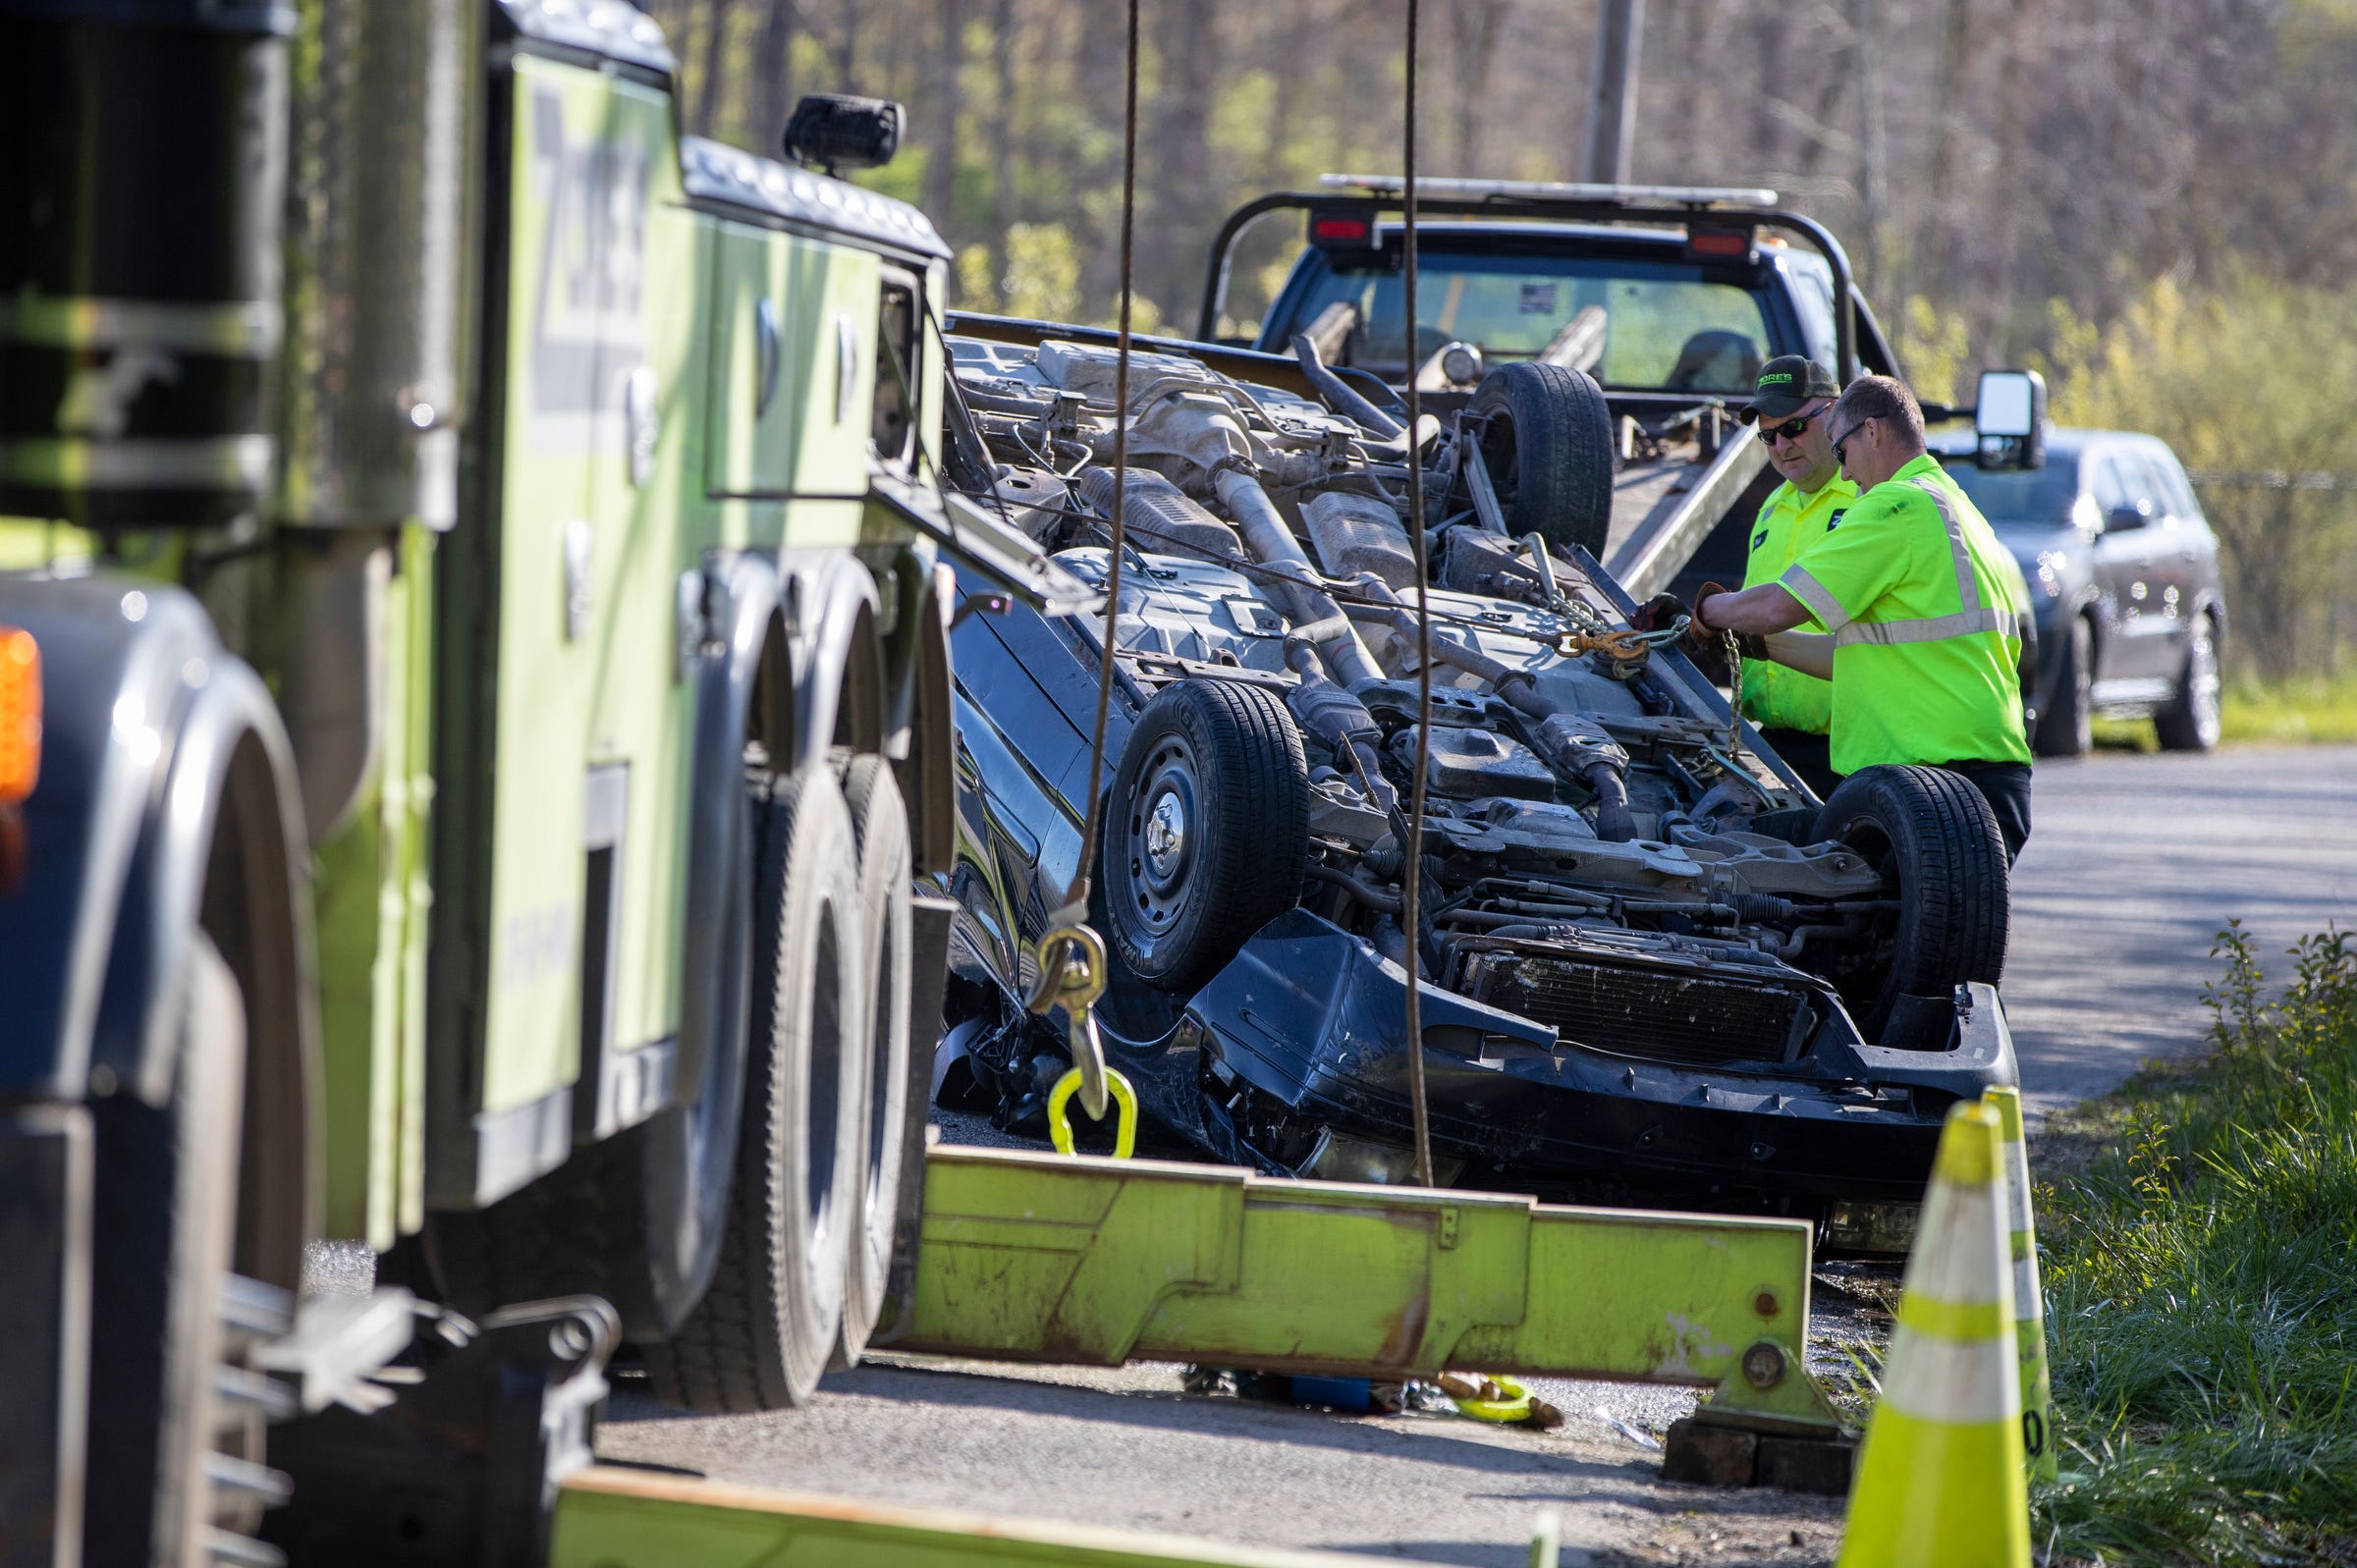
(1786, 383)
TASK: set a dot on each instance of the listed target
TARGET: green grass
(2199, 1254)
(2313, 711)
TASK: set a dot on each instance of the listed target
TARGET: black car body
(2123, 570)
(1656, 968)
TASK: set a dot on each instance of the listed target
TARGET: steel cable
(1075, 896)
(1412, 878)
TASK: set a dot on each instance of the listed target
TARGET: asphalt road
(2133, 864)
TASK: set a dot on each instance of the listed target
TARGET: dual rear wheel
(746, 1236)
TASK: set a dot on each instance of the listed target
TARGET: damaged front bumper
(1291, 1059)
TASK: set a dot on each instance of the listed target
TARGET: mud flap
(929, 921)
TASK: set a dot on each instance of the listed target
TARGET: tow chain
(1735, 692)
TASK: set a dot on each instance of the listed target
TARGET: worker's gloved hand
(1699, 634)
(1659, 613)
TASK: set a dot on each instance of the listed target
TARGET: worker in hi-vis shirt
(1918, 611)
(1793, 709)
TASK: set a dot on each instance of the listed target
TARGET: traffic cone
(2029, 1305)
(1940, 1479)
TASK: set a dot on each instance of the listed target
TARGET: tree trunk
(937, 120)
(772, 65)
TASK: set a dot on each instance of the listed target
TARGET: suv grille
(1659, 1014)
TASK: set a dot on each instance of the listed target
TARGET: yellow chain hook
(1072, 976)
(1124, 1098)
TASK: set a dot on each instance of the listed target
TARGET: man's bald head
(1877, 428)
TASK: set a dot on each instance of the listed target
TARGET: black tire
(165, 1226)
(1549, 447)
(2190, 721)
(1933, 836)
(762, 1333)
(2066, 728)
(1207, 829)
(880, 829)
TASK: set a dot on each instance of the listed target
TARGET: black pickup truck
(1668, 297)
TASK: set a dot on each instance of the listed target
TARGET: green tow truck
(483, 610)
(475, 724)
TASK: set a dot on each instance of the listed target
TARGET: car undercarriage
(1654, 968)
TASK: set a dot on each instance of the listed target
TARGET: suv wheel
(2190, 721)
(1933, 837)
(1548, 448)
(2066, 728)
(1207, 831)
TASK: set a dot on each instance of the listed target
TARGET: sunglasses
(1847, 436)
(1790, 429)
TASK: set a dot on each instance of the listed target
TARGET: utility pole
(1613, 93)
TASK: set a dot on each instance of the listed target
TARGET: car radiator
(1660, 1015)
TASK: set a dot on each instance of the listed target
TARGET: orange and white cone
(1940, 1481)
(2029, 1303)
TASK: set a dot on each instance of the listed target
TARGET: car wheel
(766, 1325)
(1549, 445)
(1934, 839)
(1207, 829)
(2067, 728)
(2190, 721)
(880, 830)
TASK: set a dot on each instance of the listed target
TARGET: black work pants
(2005, 785)
(1809, 755)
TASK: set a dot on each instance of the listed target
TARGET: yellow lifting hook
(1072, 976)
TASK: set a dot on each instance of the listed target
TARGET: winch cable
(1076, 897)
(1071, 957)
(1412, 878)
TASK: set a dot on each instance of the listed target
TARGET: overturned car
(1654, 967)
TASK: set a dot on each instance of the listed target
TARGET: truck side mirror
(2009, 419)
(831, 130)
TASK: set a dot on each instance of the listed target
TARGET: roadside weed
(2199, 1258)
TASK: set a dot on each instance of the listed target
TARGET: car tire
(1933, 836)
(2190, 720)
(771, 1317)
(2066, 728)
(1207, 829)
(1547, 442)
(880, 832)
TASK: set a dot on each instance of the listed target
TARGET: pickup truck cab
(1669, 298)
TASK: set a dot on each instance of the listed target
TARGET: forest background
(2155, 202)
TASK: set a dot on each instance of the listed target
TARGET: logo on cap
(1778, 378)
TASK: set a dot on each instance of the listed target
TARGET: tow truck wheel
(772, 1314)
(880, 827)
(1936, 844)
(168, 1308)
(1549, 447)
(1207, 829)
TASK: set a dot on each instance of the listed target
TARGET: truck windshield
(2043, 496)
(1635, 325)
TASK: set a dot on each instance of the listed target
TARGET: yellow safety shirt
(1777, 696)
(1926, 611)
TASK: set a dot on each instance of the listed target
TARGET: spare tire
(1936, 841)
(1207, 829)
(1549, 447)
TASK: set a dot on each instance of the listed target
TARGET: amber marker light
(20, 714)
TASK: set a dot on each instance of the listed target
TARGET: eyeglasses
(1847, 436)
(1789, 430)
